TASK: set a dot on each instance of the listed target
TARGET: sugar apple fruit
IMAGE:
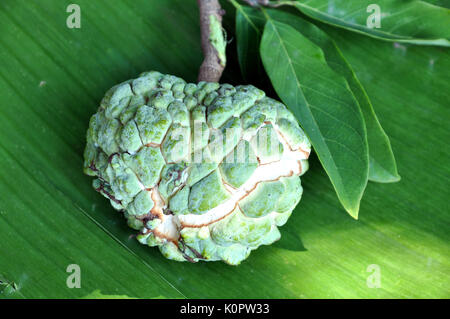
(204, 171)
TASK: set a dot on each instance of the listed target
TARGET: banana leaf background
(52, 79)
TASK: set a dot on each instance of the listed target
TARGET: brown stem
(212, 66)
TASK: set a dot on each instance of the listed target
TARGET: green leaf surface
(249, 26)
(248, 36)
(323, 104)
(51, 81)
(416, 22)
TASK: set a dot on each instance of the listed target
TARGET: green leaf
(248, 35)
(249, 25)
(416, 22)
(51, 81)
(324, 105)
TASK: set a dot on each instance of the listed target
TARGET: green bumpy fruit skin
(144, 138)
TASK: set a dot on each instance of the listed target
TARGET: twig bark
(214, 58)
